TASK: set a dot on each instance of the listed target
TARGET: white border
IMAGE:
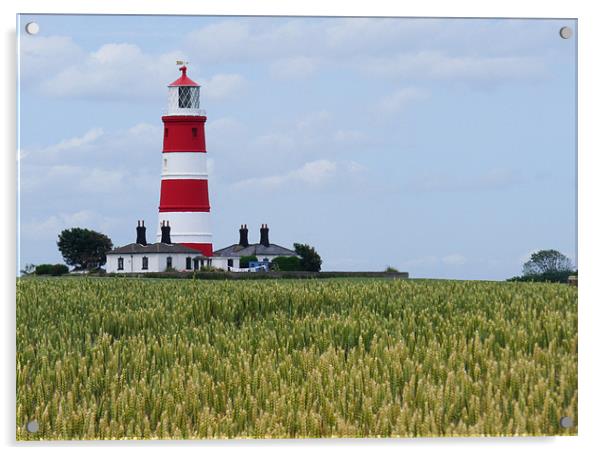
(590, 149)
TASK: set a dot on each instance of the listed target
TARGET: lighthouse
(184, 201)
(184, 238)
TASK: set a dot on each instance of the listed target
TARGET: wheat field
(127, 358)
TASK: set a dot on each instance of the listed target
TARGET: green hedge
(550, 277)
(244, 261)
(287, 263)
(52, 269)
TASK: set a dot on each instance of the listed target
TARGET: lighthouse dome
(184, 96)
(183, 80)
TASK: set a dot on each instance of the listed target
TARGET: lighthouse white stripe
(184, 165)
(187, 227)
(184, 176)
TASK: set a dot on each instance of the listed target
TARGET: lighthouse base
(206, 249)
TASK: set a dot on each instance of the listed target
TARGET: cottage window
(188, 263)
(169, 262)
(230, 262)
(120, 264)
(144, 263)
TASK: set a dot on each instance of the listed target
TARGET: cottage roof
(256, 249)
(136, 248)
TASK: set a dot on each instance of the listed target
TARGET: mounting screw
(566, 422)
(32, 426)
(566, 32)
(32, 28)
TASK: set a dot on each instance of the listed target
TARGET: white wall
(222, 262)
(157, 262)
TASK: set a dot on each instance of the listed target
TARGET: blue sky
(442, 147)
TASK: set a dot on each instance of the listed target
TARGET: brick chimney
(141, 233)
(165, 232)
(244, 235)
(263, 235)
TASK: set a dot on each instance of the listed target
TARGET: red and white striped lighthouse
(184, 190)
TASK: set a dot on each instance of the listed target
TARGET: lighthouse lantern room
(184, 199)
(184, 96)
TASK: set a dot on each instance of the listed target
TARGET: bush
(52, 269)
(244, 261)
(390, 269)
(549, 277)
(287, 263)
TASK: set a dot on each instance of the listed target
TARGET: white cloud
(255, 39)
(122, 71)
(400, 99)
(222, 86)
(43, 55)
(294, 67)
(314, 121)
(115, 71)
(297, 48)
(52, 225)
(88, 137)
(55, 150)
(311, 174)
(438, 65)
(416, 48)
(95, 162)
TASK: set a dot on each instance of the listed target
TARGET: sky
(441, 147)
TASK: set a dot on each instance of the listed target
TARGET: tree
(83, 248)
(547, 262)
(310, 259)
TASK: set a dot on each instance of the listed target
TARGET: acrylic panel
(295, 227)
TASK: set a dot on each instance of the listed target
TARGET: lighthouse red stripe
(205, 248)
(184, 195)
(184, 134)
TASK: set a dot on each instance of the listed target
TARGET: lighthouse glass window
(397, 263)
(188, 97)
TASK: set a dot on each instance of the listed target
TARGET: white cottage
(264, 250)
(142, 257)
